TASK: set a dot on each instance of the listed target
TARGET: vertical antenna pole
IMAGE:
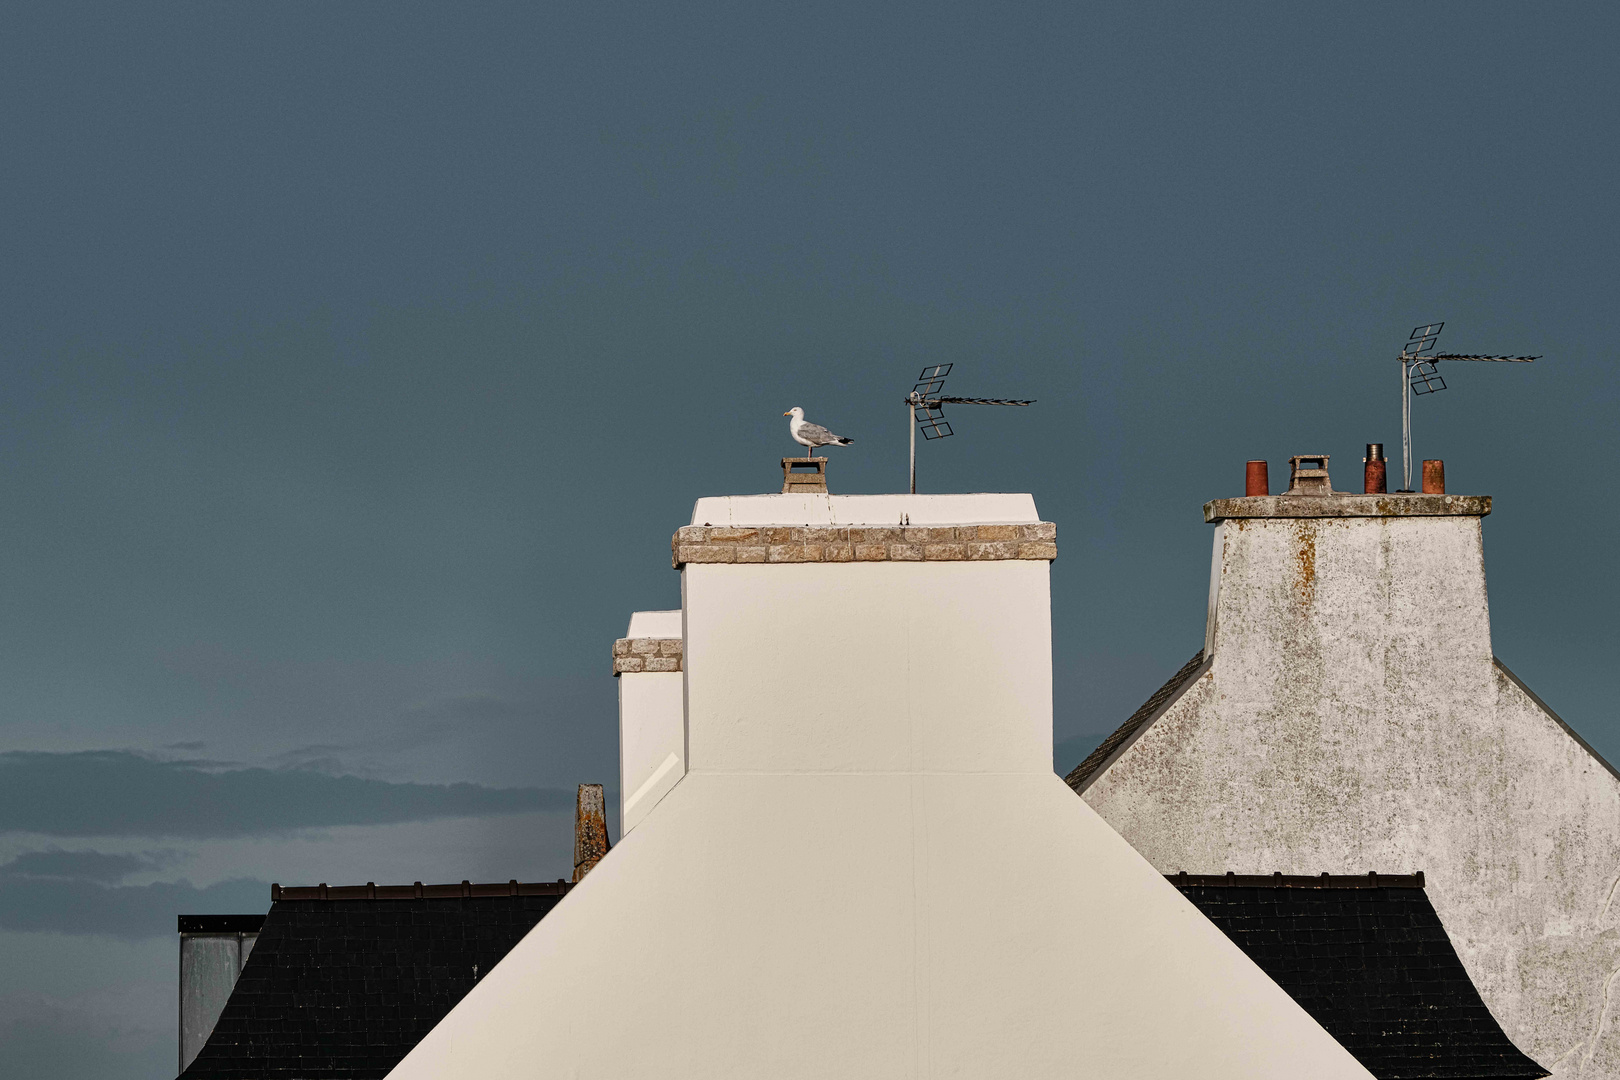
(1406, 429)
(912, 409)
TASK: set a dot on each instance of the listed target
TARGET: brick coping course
(642, 654)
(863, 543)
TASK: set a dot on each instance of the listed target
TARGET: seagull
(812, 435)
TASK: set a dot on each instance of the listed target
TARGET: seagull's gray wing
(817, 435)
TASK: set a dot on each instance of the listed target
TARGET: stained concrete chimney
(590, 829)
(1348, 713)
(652, 719)
(868, 868)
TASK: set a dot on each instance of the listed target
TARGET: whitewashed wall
(1353, 718)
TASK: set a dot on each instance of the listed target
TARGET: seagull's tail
(841, 441)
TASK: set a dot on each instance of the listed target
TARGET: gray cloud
(120, 793)
(97, 866)
(130, 911)
(318, 757)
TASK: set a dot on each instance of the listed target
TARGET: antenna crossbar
(1420, 374)
(1495, 359)
(975, 401)
(925, 402)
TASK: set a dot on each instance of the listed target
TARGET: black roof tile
(1368, 958)
(343, 988)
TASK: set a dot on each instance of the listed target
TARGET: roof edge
(418, 891)
(1559, 720)
(1102, 759)
(220, 924)
(1279, 880)
(1343, 504)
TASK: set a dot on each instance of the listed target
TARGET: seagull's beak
(788, 413)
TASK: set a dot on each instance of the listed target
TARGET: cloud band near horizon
(123, 793)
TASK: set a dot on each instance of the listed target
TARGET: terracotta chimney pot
(1375, 482)
(1255, 480)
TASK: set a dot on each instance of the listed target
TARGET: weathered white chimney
(869, 869)
(1348, 714)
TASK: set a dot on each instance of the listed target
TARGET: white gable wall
(870, 871)
(1353, 719)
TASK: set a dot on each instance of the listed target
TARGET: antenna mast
(1419, 375)
(924, 402)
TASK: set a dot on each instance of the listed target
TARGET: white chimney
(1350, 715)
(652, 713)
(869, 869)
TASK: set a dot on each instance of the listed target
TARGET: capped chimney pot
(1308, 475)
(1434, 477)
(1375, 473)
(1255, 479)
(804, 474)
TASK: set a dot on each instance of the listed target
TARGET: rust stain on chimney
(1306, 556)
(590, 829)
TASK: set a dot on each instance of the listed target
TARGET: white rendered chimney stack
(652, 723)
(869, 868)
(868, 648)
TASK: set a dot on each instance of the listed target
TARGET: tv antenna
(1420, 375)
(925, 404)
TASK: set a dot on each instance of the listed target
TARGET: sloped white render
(870, 869)
(1353, 718)
(652, 725)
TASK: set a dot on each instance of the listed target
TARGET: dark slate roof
(1150, 710)
(1368, 958)
(221, 924)
(342, 988)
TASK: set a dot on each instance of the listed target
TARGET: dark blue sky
(357, 363)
